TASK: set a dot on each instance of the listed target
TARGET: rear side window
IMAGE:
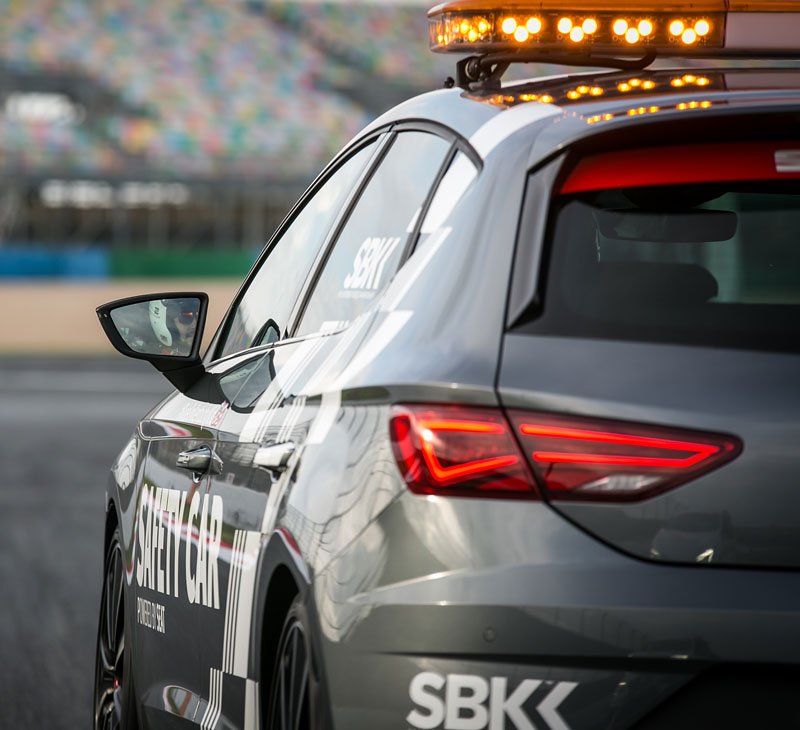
(708, 264)
(371, 243)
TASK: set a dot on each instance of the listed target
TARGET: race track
(62, 423)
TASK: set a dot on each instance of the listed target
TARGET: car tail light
(459, 451)
(589, 459)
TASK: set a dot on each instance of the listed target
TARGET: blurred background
(145, 145)
(152, 145)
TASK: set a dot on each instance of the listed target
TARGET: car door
(281, 406)
(177, 533)
(256, 324)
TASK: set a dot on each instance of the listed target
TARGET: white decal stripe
(287, 377)
(291, 419)
(317, 381)
(236, 595)
(274, 497)
(226, 632)
(502, 126)
(258, 421)
(228, 601)
(411, 271)
(251, 719)
(326, 416)
(235, 606)
(212, 699)
(218, 704)
(394, 322)
(227, 653)
(244, 607)
(211, 715)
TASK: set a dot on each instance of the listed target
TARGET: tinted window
(266, 305)
(372, 241)
(704, 264)
(456, 181)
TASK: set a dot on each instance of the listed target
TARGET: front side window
(371, 243)
(263, 311)
(709, 264)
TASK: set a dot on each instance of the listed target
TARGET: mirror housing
(164, 329)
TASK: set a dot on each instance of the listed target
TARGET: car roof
(604, 98)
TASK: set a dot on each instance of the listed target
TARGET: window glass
(455, 183)
(369, 248)
(265, 307)
(702, 264)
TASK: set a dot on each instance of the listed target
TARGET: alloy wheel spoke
(282, 693)
(301, 695)
(110, 645)
(292, 663)
(118, 660)
(117, 606)
(104, 707)
(107, 589)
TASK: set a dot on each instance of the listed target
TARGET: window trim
(457, 143)
(323, 254)
(213, 352)
(388, 132)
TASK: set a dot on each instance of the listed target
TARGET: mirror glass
(159, 326)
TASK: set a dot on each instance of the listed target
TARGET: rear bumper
(537, 625)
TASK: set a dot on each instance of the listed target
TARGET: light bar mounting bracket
(486, 70)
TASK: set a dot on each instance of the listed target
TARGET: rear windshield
(695, 264)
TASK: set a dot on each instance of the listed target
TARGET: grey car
(501, 431)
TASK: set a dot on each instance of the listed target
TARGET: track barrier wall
(102, 263)
(48, 295)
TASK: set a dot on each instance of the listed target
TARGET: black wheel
(293, 687)
(113, 705)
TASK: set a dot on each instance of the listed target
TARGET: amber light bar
(462, 31)
(690, 28)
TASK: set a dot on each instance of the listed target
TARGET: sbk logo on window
(470, 702)
(369, 263)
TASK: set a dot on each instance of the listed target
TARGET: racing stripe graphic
(291, 419)
(329, 407)
(239, 603)
(408, 274)
(251, 718)
(369, 350)
(259, 420)
(214, 706)
(233, 590)
(335, 358)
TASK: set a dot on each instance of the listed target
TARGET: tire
(113, 708)
(294, 696)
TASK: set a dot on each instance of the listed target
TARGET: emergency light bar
(705, 27)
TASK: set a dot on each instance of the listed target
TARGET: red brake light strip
(443, 473)
(699, 452)
(679, 164)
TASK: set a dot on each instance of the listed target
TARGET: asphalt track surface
(62, 422)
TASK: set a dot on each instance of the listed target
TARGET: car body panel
(545, 615)
(746, 511)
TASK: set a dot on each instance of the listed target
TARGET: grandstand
(186, 122)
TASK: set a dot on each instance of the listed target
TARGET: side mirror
(164, 329)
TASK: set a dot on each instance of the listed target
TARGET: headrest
(648, 282)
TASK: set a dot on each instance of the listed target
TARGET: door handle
(274, 457)
(199, 461)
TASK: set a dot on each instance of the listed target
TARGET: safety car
(501, 430)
